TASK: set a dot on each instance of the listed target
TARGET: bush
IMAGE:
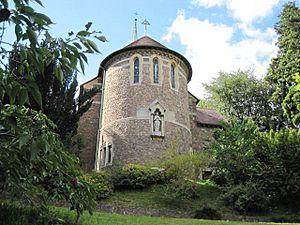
(208, 213)
(134, 176)
(102, 183)
(220, 179)
(269, 159)
(182, 189)
(246, 198)
(20, 214)
(186, 166)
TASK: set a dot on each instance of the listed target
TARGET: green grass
(157, 198)
(115, 219)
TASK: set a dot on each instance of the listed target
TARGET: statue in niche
(157, 122)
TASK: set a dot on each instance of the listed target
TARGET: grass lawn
(115, 219)
(155, 197)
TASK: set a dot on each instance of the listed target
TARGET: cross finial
(146, 23)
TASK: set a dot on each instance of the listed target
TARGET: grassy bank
(116, 219)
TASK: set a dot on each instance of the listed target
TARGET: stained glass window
(155, 70)
(136, 70)
(172, 76)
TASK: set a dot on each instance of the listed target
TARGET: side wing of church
(143, 106)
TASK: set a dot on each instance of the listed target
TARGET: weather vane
(145, 23)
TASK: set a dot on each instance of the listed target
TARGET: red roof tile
(208, 116)
(145, 41)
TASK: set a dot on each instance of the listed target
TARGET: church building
(142, 108)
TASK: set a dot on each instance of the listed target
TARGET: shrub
(186, 166)
(220, 179)
(207, 212)
(20, 214)
(246, 198)
(182, 189)
(134, 176)
(269, 159)
(102, 183)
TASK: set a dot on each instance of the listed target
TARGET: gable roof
(209, 117)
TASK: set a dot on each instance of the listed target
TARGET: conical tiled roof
(145, 41)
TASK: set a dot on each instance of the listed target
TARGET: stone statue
(157, 123)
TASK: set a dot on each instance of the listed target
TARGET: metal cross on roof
(146, 23)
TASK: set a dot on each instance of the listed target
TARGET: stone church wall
(126, 117)
(88, 126)
(201, 136)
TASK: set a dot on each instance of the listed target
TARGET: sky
(214, 35)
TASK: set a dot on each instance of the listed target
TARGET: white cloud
(209, 3)
(210, 49)
(246, 11)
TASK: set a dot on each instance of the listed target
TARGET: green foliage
(58, 96)
(184, 166)
(284, 71)
(34, 164)
(239, 95)
(246, 198)
(182, 170)
(270, 160)
(207, 213)
(102, 183)
(20, 214)
(134, 176)
(280, 175)
(234, 150)
(187, 166)
(35, 45)
(177, 188)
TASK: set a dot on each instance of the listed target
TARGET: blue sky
(214, 35)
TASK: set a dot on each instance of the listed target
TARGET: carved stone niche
(157, 115)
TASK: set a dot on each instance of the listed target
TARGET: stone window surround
(156, 71)
(131, 73)
(176, 76)
(136, 71)
(161, 61)
(106, 155)
(160, 70)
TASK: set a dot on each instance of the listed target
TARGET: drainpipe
(99, 136)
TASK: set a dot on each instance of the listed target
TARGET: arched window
(136, 70)
(155, 71)
(109, 159)
(172, 76)
(106, 155)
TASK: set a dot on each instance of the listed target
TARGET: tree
(240, 95)
(33, 162)
(269, 160)
(58, 97)
(284, 71)
(30, 27)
